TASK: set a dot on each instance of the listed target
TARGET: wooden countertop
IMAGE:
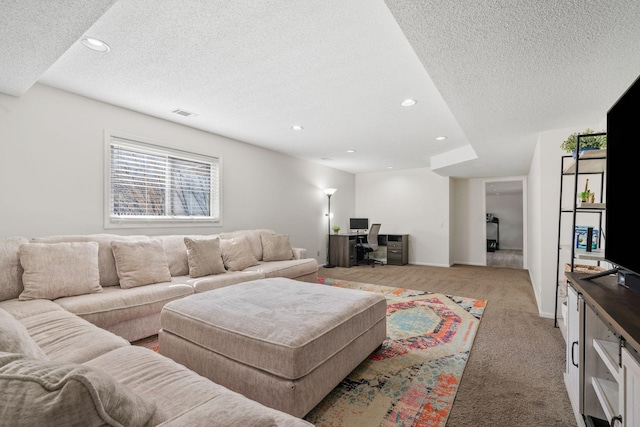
(617, 305)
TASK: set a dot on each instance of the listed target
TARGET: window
(149, 184)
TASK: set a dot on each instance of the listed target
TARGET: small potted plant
(586, 143)
(585, 196)
(336, 228)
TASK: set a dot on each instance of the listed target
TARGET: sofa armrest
(299, 253)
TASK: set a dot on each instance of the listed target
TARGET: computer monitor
(359, 223)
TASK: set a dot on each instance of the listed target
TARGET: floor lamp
(329, 192)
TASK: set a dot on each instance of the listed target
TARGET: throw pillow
(55, 270)
(237, 254)
(204, 256)
(37, 393)
(14, 338)
(275, 247)
(140, 263)
(10, 268)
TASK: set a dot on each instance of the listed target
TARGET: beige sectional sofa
(70, 305)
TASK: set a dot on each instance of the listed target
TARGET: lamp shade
(330, 191)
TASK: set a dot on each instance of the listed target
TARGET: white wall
(51, 173)
(51, 182)
(508, 209)
(414, 202)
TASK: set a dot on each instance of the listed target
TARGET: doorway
(505, 219)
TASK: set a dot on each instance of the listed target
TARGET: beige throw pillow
(37, 393)
(237, 254)
(10, 268)
(275, 247)
(204, 256)
(55, 270)
(140, 263)
(14, 338)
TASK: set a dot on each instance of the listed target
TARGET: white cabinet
(572, 374)
(602, 378)
(603, 352)
(630, 389)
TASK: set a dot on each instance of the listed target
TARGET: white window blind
(154, 184)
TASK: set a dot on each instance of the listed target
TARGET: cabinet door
(630, 389)
(573, 361)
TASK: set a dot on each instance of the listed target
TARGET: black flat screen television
(622, 164)
(359, 223)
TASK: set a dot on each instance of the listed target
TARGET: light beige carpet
(514, 375)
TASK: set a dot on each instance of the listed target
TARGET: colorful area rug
(412, 379)
(151, 343)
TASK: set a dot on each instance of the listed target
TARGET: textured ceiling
(34, 33)
(490, 75)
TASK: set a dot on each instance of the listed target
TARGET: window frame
(164, 149)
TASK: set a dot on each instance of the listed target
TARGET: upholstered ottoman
(281, 342)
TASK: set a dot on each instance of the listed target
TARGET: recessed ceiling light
(389, 167)
(408, 102)
(296, 127)
(95, 44)
(441, 138)
(351, 151)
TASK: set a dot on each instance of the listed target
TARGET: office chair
(371, 245)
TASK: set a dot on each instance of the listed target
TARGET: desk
(344, 248)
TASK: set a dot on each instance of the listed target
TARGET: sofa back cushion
(14, 338)
(38, 393)
(176, 251)
(55, 270)
(106, 262)
(253, 236)
(10, 267)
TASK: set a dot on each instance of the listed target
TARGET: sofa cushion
(67, 338)
(208, 283)
(237, 253)
(204, 256)
(140, 262)
(14, 338)
(54, 270)
(10, 267)
(21, 309)
(39, 393)
(178, 390)
(116, 305)
(290, 269)
(106, 262)
(275, 247)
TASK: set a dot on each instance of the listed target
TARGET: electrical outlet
(318, 254)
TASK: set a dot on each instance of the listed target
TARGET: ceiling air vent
(184, 113)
